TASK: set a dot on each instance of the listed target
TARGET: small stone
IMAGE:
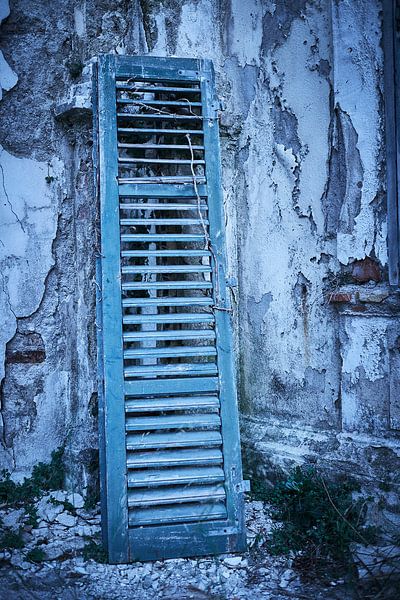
(147, 582)
(66, 519)
(76, 500)
(59, 495)
(16, 559)
(286, 577)
(81, 570)
(233, 561)
(225, 573)
(47, 511)
(54, 550)
(13, 518)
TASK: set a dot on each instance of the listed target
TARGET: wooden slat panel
(160, 146)
(170, 318)
(174, 403)
(172, 386)
(167, 269)
(158, 117)
(184, 334)
(181, 439)
(175, 476)
(144, 102)
(173, 369)
(162, 190)
(160, 131)
(174, 440)
(161, 179)
(177, 514)
(189, 421)
(175, 458)
(170, 352)
(164, 253)
(139, 89)
(162, 207)
(159, 161)
(168, 285)
(165, 237)
(184, 301)
(178, 495)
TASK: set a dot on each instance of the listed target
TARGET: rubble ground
(53, 562)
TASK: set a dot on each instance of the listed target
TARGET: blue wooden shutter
(171, 473)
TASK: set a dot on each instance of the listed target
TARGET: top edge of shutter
(158, 68)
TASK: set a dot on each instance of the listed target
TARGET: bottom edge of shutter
(159, 543)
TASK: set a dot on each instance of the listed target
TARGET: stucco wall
(303, 175)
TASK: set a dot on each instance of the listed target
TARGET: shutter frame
(149, 542)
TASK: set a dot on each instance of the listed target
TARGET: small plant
(64, 503)
(31, 514)
(94, 551)
(11, 540)
(45, 477)
(75, 68)
(92, 499)
(36, 555)
(316, 518)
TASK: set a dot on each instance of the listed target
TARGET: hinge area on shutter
(243, 486)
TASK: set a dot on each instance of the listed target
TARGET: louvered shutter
(170, 453)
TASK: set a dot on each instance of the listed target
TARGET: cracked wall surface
(301, 124)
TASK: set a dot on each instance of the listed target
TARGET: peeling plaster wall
(303, 177)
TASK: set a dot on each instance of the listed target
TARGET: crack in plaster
(7, 196)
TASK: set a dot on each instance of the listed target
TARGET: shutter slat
(190, 421)
(167, 269)
(162, 207)
(171, 352)
(164, 253)
(141, 102)
(158, 117)
(185, 334)
(169, 318)
(169, 237)
(180, 476)
(150, 221)
(160, 131)
(179, 495)
(176, 514)
(199, 457)
(161, 146)
(180, 439)
(179, 191)
(160, 161)
(138, 90)
(186, 301)
(162, 179)
(178, 369)
(186, 385)
(174, 403)
(167, 285)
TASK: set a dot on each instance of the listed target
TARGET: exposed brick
(26, 348)
(340, 297)
(28, 356)
(366, 270)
